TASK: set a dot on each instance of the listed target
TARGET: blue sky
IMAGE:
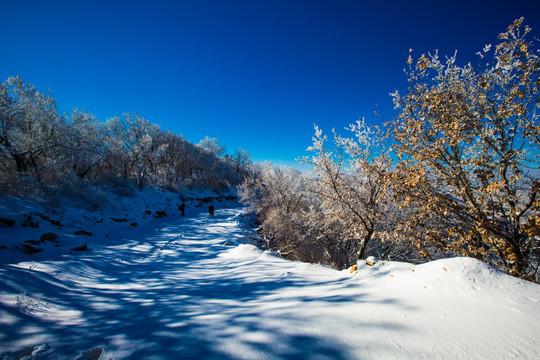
(254, 74)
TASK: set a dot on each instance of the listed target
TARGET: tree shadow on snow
(171, 296)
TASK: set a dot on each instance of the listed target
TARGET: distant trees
(134, 145)
(84, 145)
(212, 146)
(49, 150)
(240, 161)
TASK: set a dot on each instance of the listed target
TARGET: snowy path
(188, 290)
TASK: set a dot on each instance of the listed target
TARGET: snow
(197, 287)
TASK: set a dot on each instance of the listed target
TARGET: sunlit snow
(196, 287)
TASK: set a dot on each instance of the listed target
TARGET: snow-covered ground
(195, 287)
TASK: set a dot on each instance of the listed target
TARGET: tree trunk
(520, 263)
(22, 166)
(361, 254)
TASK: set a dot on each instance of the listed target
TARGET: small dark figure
(211, 209)
(182, 208)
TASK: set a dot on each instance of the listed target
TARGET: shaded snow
(194, 287)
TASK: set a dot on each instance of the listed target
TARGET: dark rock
(29, 250)
(33, 242)
(50, 236)
(54, 222)
(160, 214)
(29, 222)
(81, 248)
(133, 224)
(6, 222)
(147, 212)
(83, 232)
(118, 220)
(93, 354)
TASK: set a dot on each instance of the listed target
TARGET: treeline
(455, 173)
(44, 151)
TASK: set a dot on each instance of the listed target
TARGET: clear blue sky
(255, 74)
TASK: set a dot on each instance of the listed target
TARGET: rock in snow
(371, 260)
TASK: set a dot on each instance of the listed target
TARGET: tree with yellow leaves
(468, 143)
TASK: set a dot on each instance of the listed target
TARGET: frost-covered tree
(240, 162)
(84, 144)
(468, 138)
(351, 182)
(292, 220)
(272, 187)
(30, 127)
(54, 153)
(170, 168)
(131, 140)
(212, 146)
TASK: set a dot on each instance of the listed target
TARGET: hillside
(195, 287)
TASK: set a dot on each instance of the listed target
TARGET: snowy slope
(193, 287)
(75, 224)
